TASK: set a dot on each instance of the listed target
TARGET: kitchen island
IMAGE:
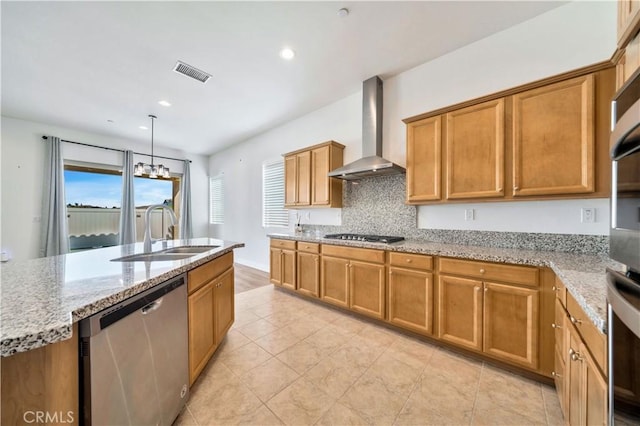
(44, 299)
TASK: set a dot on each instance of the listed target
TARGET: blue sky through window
(104, 190)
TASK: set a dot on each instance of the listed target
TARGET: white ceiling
(79, 64)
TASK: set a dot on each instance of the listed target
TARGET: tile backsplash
(377, 206)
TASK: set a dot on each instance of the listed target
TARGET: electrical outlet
(37, 219)
(469, 214)
(588, 215)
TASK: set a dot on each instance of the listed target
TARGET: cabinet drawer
(308, 247)
(285, 244)
(561, 292)
(592, 337)
(366, 255)
(199, 276)
(525, 275)
(406, 260)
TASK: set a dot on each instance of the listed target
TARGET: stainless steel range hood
(372, 163)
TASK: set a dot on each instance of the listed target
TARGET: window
(216, 200)
(93, 196)
(273, 211)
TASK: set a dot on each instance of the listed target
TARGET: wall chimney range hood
(372, 164)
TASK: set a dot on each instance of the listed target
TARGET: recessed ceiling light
(143, 127)
(164, 103)
(287, 53)
(109, 121)
(343, 12)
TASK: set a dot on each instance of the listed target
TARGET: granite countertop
(584, 275)
(42, 298)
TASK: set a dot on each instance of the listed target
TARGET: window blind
(273, 212)
(216, 200)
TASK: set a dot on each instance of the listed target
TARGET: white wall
(569, 37)
(242, 169)
(22, 160)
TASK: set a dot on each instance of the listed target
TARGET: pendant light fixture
(151, 170)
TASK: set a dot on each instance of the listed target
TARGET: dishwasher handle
(151, 307)
(147, 301)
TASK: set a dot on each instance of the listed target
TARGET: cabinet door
(475, 151)
(289, 269)
(304, 178)
(201, 334)
(594, 404)
(424, 159)
(411, 299)
(320, 181)
(290, 180)
(627, 11)
(511, 324)
(553, 139)
(309, 274)
(367, 288)
(275, 266)
(460, 311)
(559, 380)
(334, 282)
(573, 378)
(223, 305)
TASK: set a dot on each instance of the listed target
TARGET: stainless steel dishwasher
(134, 359)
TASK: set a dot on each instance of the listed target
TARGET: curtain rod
(118, 150)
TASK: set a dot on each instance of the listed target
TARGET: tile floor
(290, 361)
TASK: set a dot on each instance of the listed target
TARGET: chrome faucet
(147, 224)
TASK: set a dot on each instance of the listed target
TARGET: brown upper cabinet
(553, 135)
(423, 150)
(544, 140)
(474, 166)
(306, 179)
(628, 20)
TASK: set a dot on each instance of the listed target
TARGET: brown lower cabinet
(354, 278)
(283, 263)
(410, 292)
(498, 319)
(210, 310)
(308, 269)
(579, 366)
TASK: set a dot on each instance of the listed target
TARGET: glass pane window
(273, 212)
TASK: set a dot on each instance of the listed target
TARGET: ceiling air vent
(190, 71)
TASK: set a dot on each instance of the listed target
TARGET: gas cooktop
(366, 238)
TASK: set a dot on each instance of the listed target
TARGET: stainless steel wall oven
(623, 288)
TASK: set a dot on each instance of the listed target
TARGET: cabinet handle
(477, 288)
(390, 272)
(555, 326)
(482, 271)
(554, 288)
(499, 189)
(554, 374)
(409, 261)
(516, 188)
(486, 290)
(575, 356)
(575, 320)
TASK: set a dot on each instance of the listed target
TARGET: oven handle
(627, 313)
(629, 121)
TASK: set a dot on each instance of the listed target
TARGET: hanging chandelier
(151, 170)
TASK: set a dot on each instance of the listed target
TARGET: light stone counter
(584, 275)
(42, 298)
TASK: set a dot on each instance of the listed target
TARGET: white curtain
(54, 233)
(127, 234)
(186, 230)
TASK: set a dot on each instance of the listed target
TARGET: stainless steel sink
(154, 257)
(168, 255)
(190, 249)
